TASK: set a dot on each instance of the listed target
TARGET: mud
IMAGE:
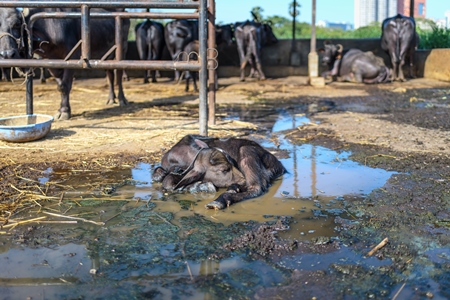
(144, 251)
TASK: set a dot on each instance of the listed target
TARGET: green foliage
(431, 38)
(434, 38)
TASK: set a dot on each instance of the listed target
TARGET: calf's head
(215, 166)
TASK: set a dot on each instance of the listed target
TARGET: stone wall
(278, 61)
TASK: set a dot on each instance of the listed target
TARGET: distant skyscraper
(370, 11)
(419, 8)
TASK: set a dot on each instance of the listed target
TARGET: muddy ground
(402, 127)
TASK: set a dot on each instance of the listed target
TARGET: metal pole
(313, 57)
(85, 34)
(293, 26)
(203, 78)
(211, 69)
(29, 93)
(313, 27)
(411, 8)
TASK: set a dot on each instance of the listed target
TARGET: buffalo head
(11, 33)
(212, 165)
(330, 52)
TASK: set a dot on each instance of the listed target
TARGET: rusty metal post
(118, 35)
(211, 69)
(29, 93)
(411, 8)
(85, 35)
(203, 78)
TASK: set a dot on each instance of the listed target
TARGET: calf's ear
(201, 144)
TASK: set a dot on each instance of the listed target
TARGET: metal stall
(85, 62)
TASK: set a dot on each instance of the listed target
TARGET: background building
(367, 12)
(419, 8)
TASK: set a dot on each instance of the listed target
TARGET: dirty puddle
(126, 238)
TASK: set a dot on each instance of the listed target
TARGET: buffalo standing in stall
(400, 40)
(250, 38)
(191, 50)
(242, 166)
(353, 65)
(150, 43)
(178, 34)
(55, 38)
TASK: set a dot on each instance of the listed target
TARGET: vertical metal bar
(85, 34)
(411, 8)
(211, 71)
(118, 36)
(29, 93)
(203, 78)
(313, 26)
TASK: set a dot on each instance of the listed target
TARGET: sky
(230, 11)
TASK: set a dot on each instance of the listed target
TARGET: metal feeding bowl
(25, 128)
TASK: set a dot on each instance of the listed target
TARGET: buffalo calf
(242, 166)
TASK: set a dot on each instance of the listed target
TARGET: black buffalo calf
(242, 166)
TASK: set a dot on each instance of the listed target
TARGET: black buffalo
(353, 65)
(191, 50)
(55, 38)
(178, 34)
(400, 40)
(224, 34)
(250, 38)
(150, 43)
(241, 165)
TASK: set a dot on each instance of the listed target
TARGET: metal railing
(85, 61)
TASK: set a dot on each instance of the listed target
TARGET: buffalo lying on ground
(55, 38)
(400, 40)
(242, 166)
(353, 65)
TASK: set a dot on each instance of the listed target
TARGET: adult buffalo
(400, 40)
(178, 34)
(150, 43)
(250, 38)
(353, 65)
(191, 51)
(55, 38)
(224, 34)
(241, 165)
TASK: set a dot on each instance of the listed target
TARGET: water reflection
(317, 171)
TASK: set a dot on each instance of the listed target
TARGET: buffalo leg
(112, 95)
(64, 81)
(259, 67)
(242, 58)
(122, 100)
(256, 177)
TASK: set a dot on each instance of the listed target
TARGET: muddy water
(155, 245)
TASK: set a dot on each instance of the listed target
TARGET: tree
(297, 9)
(257, 13)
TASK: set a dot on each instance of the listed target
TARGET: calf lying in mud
(242, 166)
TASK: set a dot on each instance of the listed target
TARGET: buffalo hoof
(159, 174)
(62, 116)
(111, 102)
(123, 101)
(215, 205)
